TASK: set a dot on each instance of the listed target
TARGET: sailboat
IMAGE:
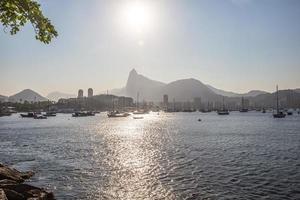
(116, 113)
(278, 114)
(243, 106)
(223, 111)
(138, 111)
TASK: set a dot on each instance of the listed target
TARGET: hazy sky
(235, 45)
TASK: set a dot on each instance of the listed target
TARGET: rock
(6, 182)
(13, 174)
(2, 195)
(11, 194)
(29, 191)
(12, 187)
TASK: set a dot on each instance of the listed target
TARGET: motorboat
(223, 112)
(50, 114)
(289, 112)
(83, 114)
(40, 117)
(28, 115)
(117, 114)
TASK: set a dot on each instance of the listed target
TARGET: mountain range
(151, 90)
(180, 90)
(251, 93)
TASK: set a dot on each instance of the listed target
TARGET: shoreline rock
(12, 186)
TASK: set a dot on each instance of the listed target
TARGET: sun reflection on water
(132, 157)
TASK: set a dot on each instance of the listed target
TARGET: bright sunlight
(137, 16)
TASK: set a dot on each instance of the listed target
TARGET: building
(90, 92)
(80, 93)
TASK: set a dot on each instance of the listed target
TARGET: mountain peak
(27, 95)
(133, 72)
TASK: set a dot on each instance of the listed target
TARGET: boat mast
(223, 104)
(137, 100)
(242, 102)
(277, 99)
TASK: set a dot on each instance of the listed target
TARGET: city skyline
(233, 45)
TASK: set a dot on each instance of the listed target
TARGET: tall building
(80, 93)
(90, 92)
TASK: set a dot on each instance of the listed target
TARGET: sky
(234, 45)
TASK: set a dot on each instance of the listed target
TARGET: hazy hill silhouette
(151, 90)
(251, 93)
(27, 95)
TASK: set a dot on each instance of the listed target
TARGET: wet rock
(11, 194)
(13, 174)
(29, 191)
(12, 186)
(5, 182)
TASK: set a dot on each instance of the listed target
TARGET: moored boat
(117, 114)
(28, 115)
(40, 117)
(83, 114)
(223, 111)
(278, 114)
(50, 114)
(138, 117)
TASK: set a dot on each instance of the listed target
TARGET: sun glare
(137, 16)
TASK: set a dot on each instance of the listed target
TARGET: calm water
(166, 156)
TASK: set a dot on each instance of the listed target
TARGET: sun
(137, 16)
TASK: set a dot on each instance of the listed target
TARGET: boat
(289, 112)
(278, 114)
(117, 114)
(40, 117)
(2, 114)
(28, 115)
(243, 107)
(138, 111)
(223, 111)
(50, 114)
(138, 117)
(83, 114)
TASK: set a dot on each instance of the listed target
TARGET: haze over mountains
(180, 90)
(27, 95)
(151, 90)
(251, 93)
